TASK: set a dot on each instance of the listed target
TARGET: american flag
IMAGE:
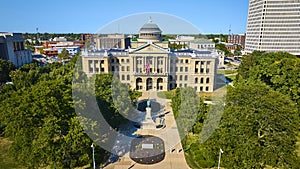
(147, 67)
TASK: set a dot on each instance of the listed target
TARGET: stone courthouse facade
(149, 63)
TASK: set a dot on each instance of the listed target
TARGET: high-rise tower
(273, 25)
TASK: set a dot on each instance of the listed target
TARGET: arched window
(196, 80)
(207, 80)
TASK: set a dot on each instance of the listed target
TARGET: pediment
(150, 48)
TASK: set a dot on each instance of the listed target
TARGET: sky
(123, 16)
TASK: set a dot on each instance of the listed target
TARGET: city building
(273, 25)
(202, 44)
(109, 41)
(12, 49)
(237, 39)
(182, 40)
(54, 46)
(72, 50)
(149, 64)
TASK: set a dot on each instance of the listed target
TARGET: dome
(150, 27)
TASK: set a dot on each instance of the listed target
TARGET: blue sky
(77, 16)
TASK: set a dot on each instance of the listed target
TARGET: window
(181, 69)
(186, 61)
(122, 60)
(201, 89)
(207, 80)
(180, 77)
(196, 80)
(123, 77)
(185, 85)
(207, 70)
(127, 60)
(128, 68)
(208, 62)
(185, 77)
(123, 68)
(201, 80)
(186, 69)
(207, 89)
(128, 77)
(202, 70)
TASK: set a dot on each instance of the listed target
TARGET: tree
(258, 128)
(63, 55)
(278, 70)
(40, 120)
(224, 49)
(5, 68)
(237, 51)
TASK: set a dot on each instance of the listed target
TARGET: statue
(148, 103)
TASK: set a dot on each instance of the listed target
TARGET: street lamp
(94, 164)
(220, 158)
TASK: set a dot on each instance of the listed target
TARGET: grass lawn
(232, 78)
(5, 160)
(226, 72)
(166, 94)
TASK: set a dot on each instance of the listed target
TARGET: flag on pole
(147, 67)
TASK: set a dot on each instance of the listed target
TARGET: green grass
(232, 78)
(5, 160)
(166, 94)
(227, 72)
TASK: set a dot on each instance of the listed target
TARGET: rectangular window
(128, 68)
(181, 69)
(186, 69)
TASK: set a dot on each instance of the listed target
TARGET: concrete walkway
(174, 158)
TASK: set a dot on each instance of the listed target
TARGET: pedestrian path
(174, 158)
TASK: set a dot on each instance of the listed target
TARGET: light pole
(94, 164)
(220, 158)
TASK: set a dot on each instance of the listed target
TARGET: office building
(273, 25)
(12, 49)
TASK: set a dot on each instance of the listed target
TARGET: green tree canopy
(5, 68)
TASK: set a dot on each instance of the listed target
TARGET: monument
(148, 122)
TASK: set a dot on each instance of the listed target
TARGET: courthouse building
(149, 64)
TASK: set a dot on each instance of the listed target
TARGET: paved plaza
(174, 155)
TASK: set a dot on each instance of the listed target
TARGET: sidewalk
(174, 158)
